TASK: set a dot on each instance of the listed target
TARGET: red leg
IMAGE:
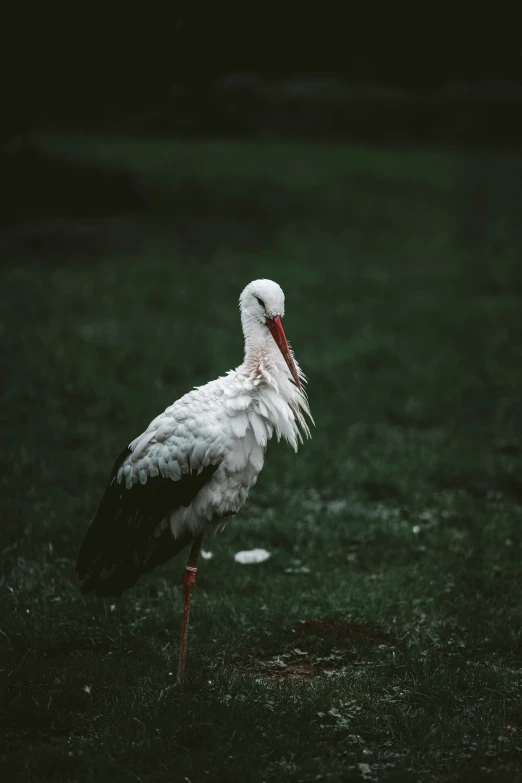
(189, 582)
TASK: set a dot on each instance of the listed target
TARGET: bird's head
(262, 304)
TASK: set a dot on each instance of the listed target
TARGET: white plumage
(201, 456)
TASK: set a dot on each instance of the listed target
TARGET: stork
(193, 466)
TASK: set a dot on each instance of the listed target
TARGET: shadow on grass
(37, 186)
(50, 206)
(62, 209)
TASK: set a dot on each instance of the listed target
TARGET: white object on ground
(249, 556)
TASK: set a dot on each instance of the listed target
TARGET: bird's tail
(108, 578)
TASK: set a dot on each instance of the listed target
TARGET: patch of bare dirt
(309, 653)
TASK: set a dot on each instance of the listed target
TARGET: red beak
(278, 333)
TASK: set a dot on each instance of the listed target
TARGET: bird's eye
(261, 302)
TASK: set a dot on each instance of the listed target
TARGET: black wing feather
(120, 544)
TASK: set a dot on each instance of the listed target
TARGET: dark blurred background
(366, 73)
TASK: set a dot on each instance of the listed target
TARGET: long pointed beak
(278, 333)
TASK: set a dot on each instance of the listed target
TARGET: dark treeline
(428, 77)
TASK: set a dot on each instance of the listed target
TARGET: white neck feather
(263, 362)
(262, 356)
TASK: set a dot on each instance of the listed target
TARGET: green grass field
(382, 639)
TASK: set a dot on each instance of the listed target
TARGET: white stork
(193, 466)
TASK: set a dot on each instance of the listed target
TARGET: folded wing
(125, 539)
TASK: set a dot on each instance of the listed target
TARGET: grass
(382, 639)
